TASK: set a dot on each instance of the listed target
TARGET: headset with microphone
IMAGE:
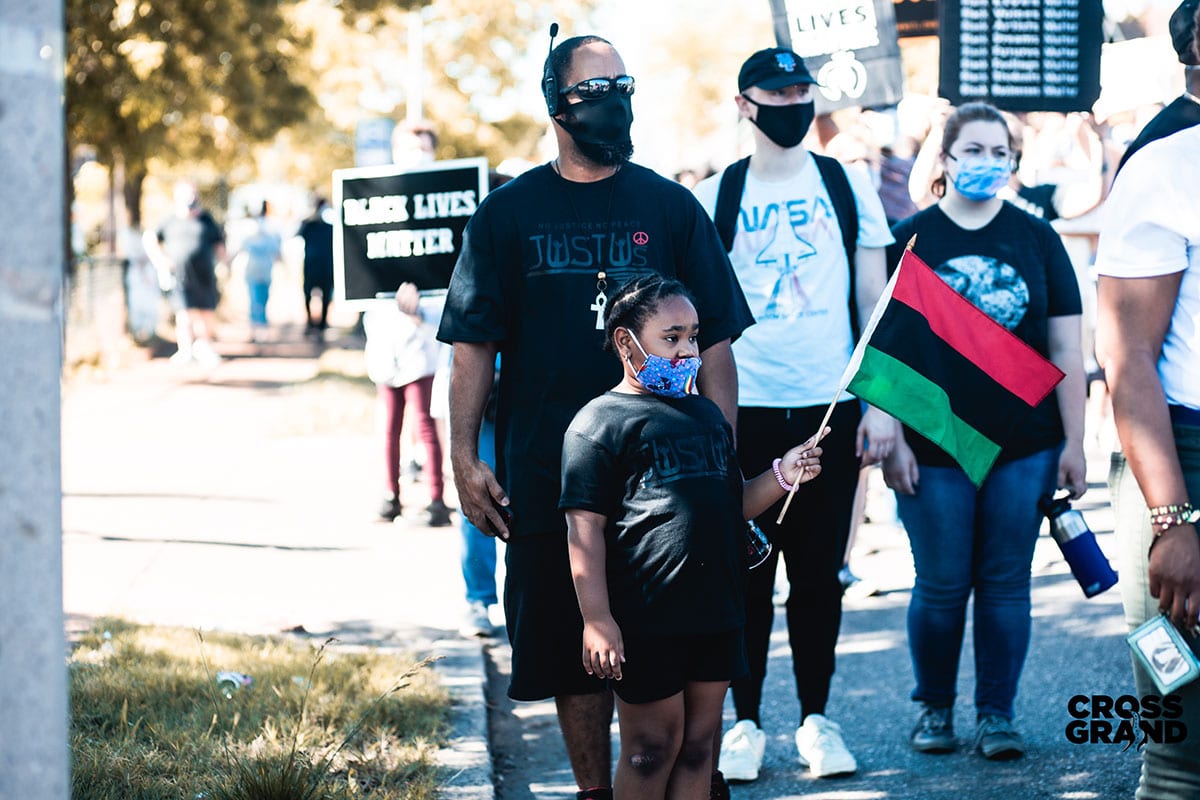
(549, 79)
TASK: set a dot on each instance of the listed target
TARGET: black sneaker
(718, 789)
(437, 514)
(997, 739)
(390, 509)
(934, 732)
(595, 793)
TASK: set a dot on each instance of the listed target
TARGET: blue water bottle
(758, 546)
(1078, 544)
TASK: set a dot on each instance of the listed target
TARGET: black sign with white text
(1021, 55)
(396, 225)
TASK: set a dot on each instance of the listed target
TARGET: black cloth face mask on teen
(784, 125)
(600, 127)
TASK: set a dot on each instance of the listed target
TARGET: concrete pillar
(33, 682)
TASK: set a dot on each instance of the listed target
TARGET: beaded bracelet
(787, 487)
(1163, 518)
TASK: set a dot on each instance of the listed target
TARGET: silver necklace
(601, 302)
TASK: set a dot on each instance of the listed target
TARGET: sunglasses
(595, 88)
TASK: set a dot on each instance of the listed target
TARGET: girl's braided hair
(636, 301)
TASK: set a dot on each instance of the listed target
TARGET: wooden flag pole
(820, 434)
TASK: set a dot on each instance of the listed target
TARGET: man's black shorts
(544, 623)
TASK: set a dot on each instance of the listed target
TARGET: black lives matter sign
(1021, 55)
(402, 225)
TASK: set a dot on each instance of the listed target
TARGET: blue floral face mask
(979, 178)
(666, 377)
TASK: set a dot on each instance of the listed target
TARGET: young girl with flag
(656, 508)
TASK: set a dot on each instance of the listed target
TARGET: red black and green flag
(946, 369)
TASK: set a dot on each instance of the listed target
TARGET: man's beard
(606, 155)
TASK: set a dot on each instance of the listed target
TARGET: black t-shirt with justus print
(527, 278)
(664, 474)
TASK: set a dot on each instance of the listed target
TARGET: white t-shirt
(399, 349)
(791, 264)
(1151, 227)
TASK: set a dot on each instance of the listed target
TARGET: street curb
(466, 759)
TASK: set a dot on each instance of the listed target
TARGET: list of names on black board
(1019, 53)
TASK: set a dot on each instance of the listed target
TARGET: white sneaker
(819, 743)
(204, 354)
(742, 749)
(476, 622)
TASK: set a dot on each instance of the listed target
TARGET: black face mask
(600, 128)
(784, 125)
(606, 155)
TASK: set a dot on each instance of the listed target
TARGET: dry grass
(149, 720)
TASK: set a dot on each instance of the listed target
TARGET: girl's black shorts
(657, 667)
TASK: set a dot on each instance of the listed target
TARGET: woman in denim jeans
(965, 539)
(1148, 338)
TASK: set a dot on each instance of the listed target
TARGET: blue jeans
(1169, 771)
(479, 549)
(966, 540)
(259, 292)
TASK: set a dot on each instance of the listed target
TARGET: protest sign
(1021, 55)
(396, 225)
(849, 46)
(373, 141)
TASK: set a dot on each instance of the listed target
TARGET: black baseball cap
(1183, 28)
(777, 67)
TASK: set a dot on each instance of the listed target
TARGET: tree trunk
(135, 177)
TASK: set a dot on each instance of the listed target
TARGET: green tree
(479, 62)
(204, 83)
(184, 81)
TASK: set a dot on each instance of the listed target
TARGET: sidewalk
(243, 498)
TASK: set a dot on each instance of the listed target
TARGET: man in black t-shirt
(540, 256)
(317, 233)
(1184, 111)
